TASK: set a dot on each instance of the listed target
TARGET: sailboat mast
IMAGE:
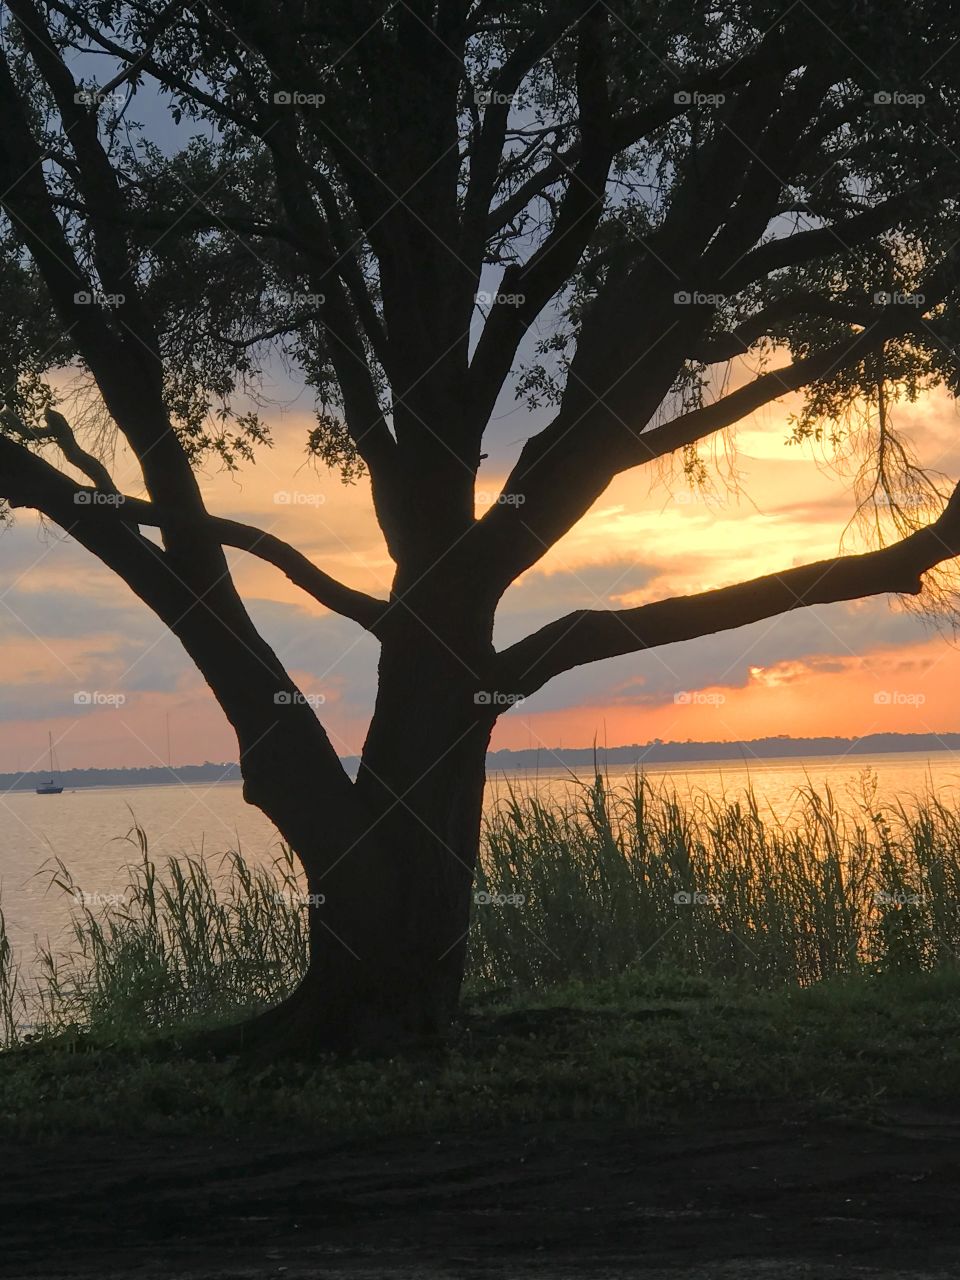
(49, 788)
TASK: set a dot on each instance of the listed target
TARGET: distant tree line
(543, 758)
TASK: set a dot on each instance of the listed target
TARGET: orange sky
(66, 626)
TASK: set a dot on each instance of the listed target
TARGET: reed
(631, 876)
(191, 938)
(593, 882)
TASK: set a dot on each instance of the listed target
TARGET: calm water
(86, 828)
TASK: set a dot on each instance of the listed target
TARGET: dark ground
(830, 1201)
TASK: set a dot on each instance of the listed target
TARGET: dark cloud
(27, 547)
(118, 646)
(57, 614)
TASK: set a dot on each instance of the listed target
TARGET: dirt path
(827, 1202)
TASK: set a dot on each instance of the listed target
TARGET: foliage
(224, 270)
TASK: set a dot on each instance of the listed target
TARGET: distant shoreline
(754, 750)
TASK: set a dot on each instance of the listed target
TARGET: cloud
(540, 596)
(68, 622)
(119, 646)
(56, 614)
(338, 655)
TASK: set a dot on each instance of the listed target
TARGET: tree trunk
(390, 906)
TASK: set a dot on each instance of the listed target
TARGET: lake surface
(86, 828)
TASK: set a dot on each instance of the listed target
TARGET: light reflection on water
(85, 828)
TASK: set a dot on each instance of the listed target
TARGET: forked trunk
(390, 906)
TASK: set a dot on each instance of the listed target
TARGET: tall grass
(610, 878)
(183, 940)
(598, 880)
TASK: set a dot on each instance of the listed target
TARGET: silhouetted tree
(391, 196)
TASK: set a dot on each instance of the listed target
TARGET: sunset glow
(68, 626)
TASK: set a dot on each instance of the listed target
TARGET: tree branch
(125, 364)
(536, 281)
(97, 179)
(690, 427)
(633, 340)
(60, 431)
(364, 418)
(302, 572)
(40, 489)
(807, 246)
(246, 676)
(589, 635)
(143, 61)
(719, 347)
(627, 130)
(488, 150)
(191, 218)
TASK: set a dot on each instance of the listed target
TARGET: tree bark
(389, 904)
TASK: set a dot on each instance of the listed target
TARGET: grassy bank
(639, 1049)
(633, 958)
(603, 881)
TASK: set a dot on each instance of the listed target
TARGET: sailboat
(49, 788)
